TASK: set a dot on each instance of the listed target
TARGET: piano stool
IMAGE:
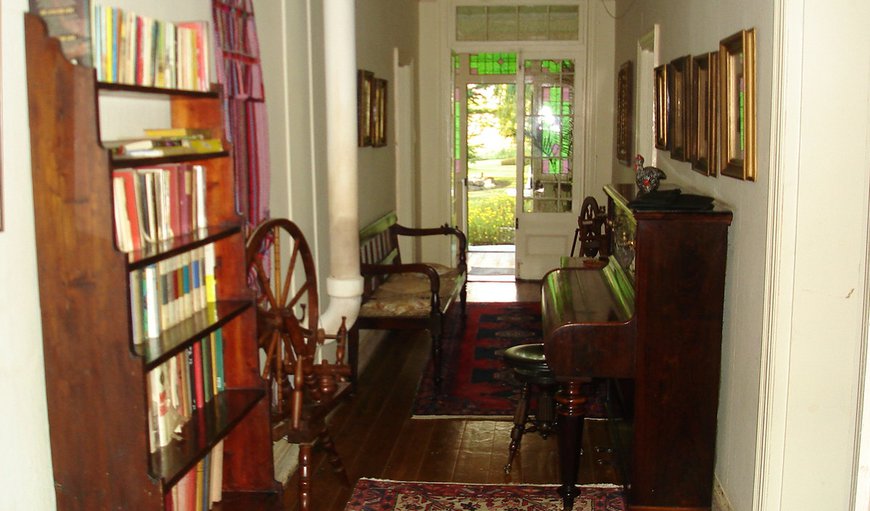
(532, 371)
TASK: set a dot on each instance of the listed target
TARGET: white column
(344, 284)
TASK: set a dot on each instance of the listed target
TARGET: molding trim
(780, 258)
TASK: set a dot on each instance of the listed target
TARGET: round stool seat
(529, 363)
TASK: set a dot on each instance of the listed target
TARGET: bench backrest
(378, 244)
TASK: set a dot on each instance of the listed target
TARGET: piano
(650, 322)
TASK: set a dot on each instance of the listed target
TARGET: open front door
(547, 211)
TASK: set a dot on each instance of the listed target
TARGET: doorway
(514, 159)
(490, 183)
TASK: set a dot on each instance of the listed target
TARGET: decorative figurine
(647, 178)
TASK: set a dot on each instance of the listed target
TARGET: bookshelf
(95, 375)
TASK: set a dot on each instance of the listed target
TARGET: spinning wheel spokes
(287, 304)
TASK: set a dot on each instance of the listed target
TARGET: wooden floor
(377, 438)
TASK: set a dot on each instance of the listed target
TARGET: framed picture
(364, 107)
(703, 122)
(662, 107)
(624, 108)
(737, 117)
(379, 112)
(679, 90)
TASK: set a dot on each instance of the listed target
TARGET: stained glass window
(492, 63)
(518, 23)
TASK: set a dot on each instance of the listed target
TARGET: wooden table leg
(570, 404)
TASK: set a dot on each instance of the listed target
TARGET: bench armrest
(444, 230)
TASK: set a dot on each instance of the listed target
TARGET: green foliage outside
(490, 219)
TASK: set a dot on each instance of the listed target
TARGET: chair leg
(435, 328)
(332, 455)
(305, 477)
(521, 415)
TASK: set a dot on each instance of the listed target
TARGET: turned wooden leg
(520, 417)
(332, 455)
(569, 402)
(353, 356)
(304, 477)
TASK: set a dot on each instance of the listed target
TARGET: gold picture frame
(624, 111)
(679, 91)
(703, 121)
(379, 112)
(364, 107)
(662, 107)
(737, 157)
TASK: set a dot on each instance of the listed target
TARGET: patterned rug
(380, 495)
(476, 381)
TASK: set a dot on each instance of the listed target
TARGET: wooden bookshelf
(95, 375)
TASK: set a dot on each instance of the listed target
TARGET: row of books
(163, 295)
(176, 389)
(138, 50)
(181, 385)
(154, 204)
(200, 488)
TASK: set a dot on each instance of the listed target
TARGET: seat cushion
(407, 294)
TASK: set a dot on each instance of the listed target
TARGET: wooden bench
(407, 296)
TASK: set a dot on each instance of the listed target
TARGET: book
(70, 22)
(177, 133)
(184, 146)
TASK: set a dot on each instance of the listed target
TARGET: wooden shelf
(156, 252)
(172, 341)
(98, 401)
(202, 432)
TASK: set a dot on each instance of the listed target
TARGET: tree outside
(491, 163)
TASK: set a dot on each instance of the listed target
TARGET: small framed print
(679, 81)
(737, 157)
(662, 107)
(379, 112)
(624, 107)
(703, 121)
(364, 107)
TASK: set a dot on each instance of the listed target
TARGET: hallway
(377, 438)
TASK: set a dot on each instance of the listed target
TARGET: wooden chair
(590, 230)
(304, 390)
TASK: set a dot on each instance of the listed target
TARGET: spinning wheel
(281, 271)
(589, 229)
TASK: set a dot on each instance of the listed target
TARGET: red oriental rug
(380, 495)
(476, 381)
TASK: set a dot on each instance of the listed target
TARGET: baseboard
(720, 500)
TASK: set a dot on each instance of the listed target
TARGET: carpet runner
(382, 495)
(476, 381)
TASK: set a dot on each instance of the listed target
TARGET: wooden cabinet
(95, 375)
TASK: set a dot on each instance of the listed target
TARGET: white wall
(822, 297)
(25, 460)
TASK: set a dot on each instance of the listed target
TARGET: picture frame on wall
(679, 81)
(662, 107)
(737, 156)
(364, 107)
(624, 113)
(379, 112)
(703, 122)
